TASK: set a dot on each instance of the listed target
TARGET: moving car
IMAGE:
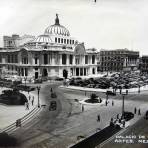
(53, 105)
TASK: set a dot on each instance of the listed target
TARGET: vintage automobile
(53, 105)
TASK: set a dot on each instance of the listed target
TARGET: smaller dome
(42, 39)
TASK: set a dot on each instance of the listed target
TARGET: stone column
(53, 61)
(67, 59)
(73, 62)
(60, 59)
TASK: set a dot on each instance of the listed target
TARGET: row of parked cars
(17, 85)
(117, 81)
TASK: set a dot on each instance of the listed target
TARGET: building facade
(51, 54)
(118, 60)
(143, 64)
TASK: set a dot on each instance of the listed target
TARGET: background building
(143, 64)
(118, 60)
(14, 41)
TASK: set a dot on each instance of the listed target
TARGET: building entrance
(65, 73)
(45, 73)
(36, 75)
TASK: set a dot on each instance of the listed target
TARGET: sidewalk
(9, 114)
(131, 90)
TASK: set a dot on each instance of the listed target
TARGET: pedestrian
(120, 91)
(135, 110)
(29, 97)
(117, 116)
(51, 90)
(111, 122)
(106, 102)
(124, 123)
(82, 108)
(32, 102)
(139, 112)
(126, 91)
(98, 119)
(112, 103)
(27, 106)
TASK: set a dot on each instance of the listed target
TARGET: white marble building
(51, 54)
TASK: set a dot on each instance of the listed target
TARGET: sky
(106, 24)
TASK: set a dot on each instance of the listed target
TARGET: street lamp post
(25, 78)
(38, 88)
(138, 88)
(123, 98)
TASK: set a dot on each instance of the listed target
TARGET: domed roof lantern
(57, 20)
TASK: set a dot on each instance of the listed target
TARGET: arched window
(64, 41)
(56, 40)
(93, 71)
(61, 40)
(45, 58)
(67, 41)
(8, 58)
(64, 59)
(86, 59)
(93, 59)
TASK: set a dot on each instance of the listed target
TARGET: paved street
(61, 128)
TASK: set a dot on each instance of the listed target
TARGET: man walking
(32, 101)
(135, 110)
(98, 119)
(106, 102)
(112, 103)
(82, 108)
(51, 90)
(139, 112)
(27, 106)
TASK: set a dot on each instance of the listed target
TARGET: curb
(92, 90)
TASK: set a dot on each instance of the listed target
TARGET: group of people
(27, 104)
(106, 102)
(137, 110)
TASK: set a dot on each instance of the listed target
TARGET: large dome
(57, 29)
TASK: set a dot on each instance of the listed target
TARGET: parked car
(38, 81)
(53, 105)
(110, 93)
